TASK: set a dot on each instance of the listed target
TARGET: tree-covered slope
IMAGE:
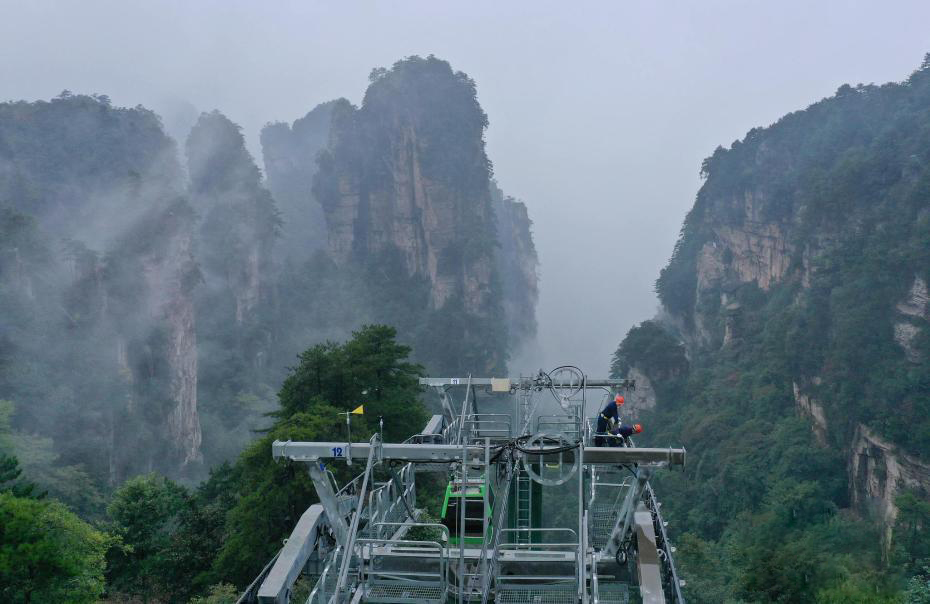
(148, 313)
(70, 160)
(96, 276)
(798, 287)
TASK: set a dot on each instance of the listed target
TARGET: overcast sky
(600, 112)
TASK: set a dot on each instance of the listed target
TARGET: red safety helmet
(618, 399)
(637, 428)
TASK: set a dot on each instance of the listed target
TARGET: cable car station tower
(603, 540)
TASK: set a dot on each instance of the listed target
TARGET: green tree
(47, 554)
(910, 538)
(10, 478)
(144, 513)
(371, 369)
(171, 535)
(35, 456)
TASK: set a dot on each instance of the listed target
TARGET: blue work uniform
(611, 411)
(625, 431)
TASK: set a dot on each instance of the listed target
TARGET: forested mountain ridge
(148, 313)
(159, 305)
(793, 354)
(97, 279)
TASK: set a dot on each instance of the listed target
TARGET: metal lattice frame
(373, 560)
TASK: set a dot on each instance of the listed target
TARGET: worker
(609, 416)
(624, 431)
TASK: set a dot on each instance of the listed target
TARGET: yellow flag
(360, 410)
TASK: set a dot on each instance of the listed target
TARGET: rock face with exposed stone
(878, 472)
(912, 316)
(405, 178)
(817, 271)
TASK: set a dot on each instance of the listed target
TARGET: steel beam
(430, 453)
(628, 455)
(434, 425)
(519, 384)
(292, 559)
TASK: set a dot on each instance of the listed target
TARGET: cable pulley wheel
(565, 382)
(554, 461)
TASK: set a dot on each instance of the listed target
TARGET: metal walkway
(601, 539)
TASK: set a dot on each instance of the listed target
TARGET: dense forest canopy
(793, 354)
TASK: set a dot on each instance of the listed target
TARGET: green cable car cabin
(474, 506)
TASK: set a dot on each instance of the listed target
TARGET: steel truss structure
(367, 541)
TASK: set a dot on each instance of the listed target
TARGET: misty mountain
(98, 271)
(413, 237)
(150, 312)
(290, 153)
(792, 354)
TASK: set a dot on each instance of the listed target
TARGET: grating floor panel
(602, 519)
(613, 593)
(400, 593)
(538, 594)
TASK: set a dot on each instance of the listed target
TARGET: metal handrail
(543, 529)
(345, 489)
(442, 557)
(569, 546)
(551, 545)
(421, 438)
(442, 527)
(384, 501)
(475, 427)
(557, 421)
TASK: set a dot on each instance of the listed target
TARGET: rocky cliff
(878, 472)
(153, 321)
(113, 339)
(405, 188)
(407, 173)
(147, 316)
(798, 285)
(815, 205)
